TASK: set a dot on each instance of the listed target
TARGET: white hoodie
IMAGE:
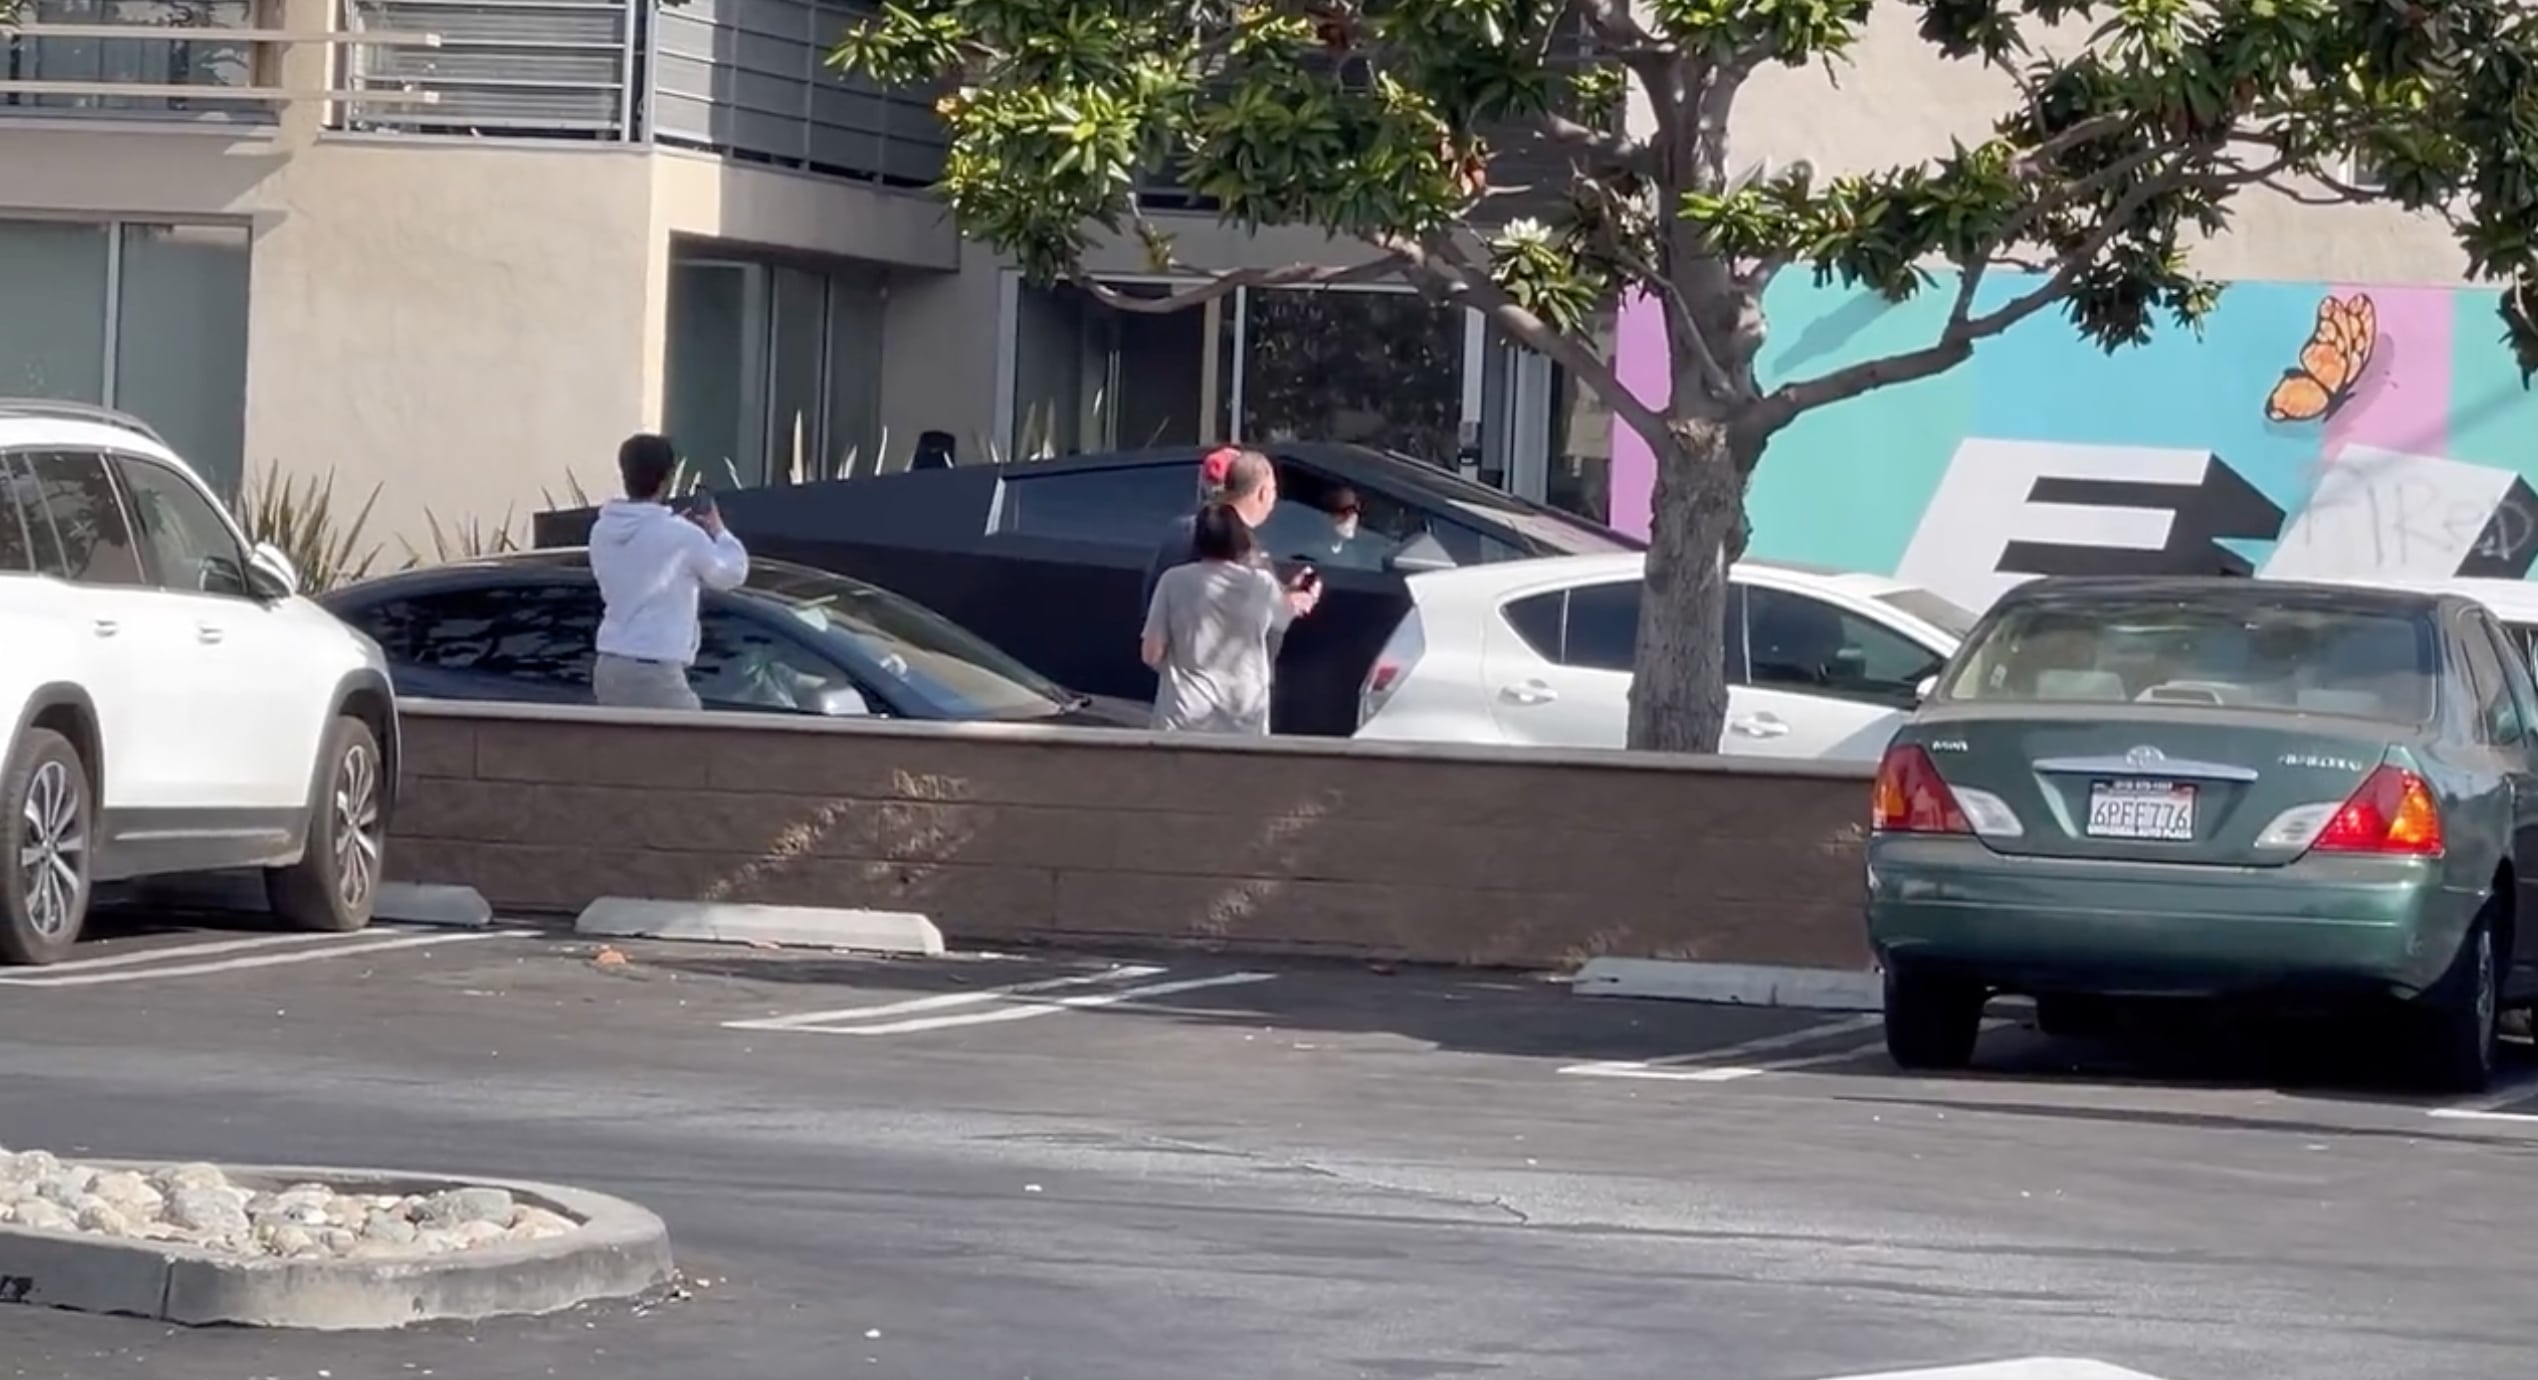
(650, 562)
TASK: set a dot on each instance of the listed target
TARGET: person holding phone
(651, 561)
(1209, 628)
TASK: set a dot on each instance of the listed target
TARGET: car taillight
(1392, 665)
(2393, 812)
(1911, 798)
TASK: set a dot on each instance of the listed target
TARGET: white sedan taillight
(1392, 666)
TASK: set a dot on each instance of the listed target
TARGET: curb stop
(716, 922)
(1731, 984)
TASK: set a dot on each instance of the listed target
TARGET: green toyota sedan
(2207, 787)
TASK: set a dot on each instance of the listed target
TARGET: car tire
(2074, 1016)
(52, 814)
(1931, 1022)
(335, 884)
(2458, 1022)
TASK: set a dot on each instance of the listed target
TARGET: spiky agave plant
(297, 515)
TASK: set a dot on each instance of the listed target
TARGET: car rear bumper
(2160, 929)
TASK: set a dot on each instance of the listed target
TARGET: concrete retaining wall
(1023, 834)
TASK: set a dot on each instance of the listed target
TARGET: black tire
(1931, 1022)
(335, 884)
(52, 813)
(2458, 1023)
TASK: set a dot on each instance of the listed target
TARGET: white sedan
(1820, 664)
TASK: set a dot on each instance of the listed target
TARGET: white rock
(43, 1214)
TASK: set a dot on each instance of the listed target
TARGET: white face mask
(1347, 526)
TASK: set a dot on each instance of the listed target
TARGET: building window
(1369, 365)
(773, 369)
(150, 318)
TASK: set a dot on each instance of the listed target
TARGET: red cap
(1217, 466)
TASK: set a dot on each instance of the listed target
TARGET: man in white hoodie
(651, 562)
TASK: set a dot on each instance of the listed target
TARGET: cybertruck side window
(1129, 506)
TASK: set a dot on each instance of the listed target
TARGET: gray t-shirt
(1215, 619)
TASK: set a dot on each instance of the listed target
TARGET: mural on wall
(2312, 429)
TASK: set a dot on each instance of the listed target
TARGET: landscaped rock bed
(200, 1206)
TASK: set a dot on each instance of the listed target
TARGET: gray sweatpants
(625, 683)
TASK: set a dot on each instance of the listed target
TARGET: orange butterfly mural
(2339, 349)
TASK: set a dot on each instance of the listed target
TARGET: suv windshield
(939, 660)
(2311, 658)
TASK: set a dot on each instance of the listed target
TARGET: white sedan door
(1824, 682)
(1555, 665)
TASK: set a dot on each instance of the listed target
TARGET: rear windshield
(1939, 612)
(2312, 659)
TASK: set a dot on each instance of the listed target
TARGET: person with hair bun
(1209, 629)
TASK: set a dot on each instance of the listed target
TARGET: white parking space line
(946, 1000)
(1709, 1070)
(2519, 1088)
(1017, 1003)
(207, 950)
(312, 954)
(1670, 1066)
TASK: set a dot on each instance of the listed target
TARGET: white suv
(1821, 664)
(171, 704)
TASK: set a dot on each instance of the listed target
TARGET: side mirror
(1922, 691)
(1421, 552)
(841, 702)
(270, 574)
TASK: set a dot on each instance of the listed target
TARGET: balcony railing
(523, 68)
(748, 79)
(172, 59)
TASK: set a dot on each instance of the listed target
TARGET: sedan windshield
(935, 658)
(2309, 658)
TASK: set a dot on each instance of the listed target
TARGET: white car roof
(31, 430)
(1542, 571)
(2514, 600)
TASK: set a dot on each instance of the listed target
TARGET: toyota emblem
(2144, 756)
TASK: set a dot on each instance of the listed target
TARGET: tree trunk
(1678, 690)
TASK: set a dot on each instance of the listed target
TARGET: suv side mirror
(842, 702)
(270, 574)
(1422, 552)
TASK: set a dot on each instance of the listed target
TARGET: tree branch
(1612, 152)
(1223, 282)
(1957, 338)
(1455, 277)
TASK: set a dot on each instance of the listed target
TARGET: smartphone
(697, 503)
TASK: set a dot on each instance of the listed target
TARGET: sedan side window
(1603, 626)
(1804, 644)
(1539, 621)
(189, 544)
(742, 665)
(542, 635)
(2498, 718)
(2517, 681)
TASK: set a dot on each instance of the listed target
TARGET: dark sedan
(790, 640)
(1048, 558)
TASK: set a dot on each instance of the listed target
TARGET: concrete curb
(621, 1250)
(866, 931)
(400, 903)
(1731, 984)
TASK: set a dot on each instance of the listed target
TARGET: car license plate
(2158, 810)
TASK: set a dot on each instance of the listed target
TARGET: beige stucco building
(454, 251)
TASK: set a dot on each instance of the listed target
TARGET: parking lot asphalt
(1059, 1165)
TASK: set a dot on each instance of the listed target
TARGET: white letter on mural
(1982, 506)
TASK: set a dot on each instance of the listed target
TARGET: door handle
(1760, 726)
(107, 627)
(209, 632)
(1529, 692)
